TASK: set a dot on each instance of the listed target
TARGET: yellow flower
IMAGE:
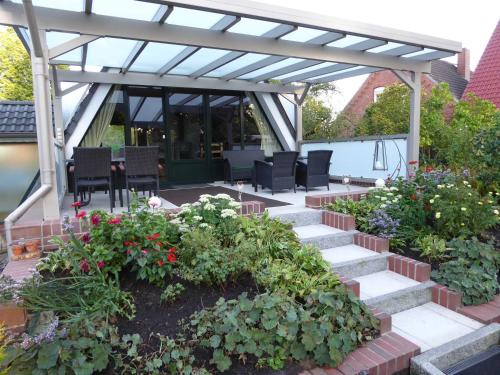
(495, 212)
(480, 203)
(431, 201)
(438, 215)
(464, 209)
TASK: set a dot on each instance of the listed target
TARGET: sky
(469, 22)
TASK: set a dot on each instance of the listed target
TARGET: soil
(152, 316)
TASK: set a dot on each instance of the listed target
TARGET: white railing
(354, 156)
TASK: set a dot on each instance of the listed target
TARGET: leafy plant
(274, 328)
(432, 247)
(472, 271)
(361, 210)
(171, 293)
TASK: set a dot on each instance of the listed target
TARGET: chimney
(463, 63)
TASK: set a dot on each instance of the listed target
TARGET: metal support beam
(147, 31)
(88, 6)
(147, 79)
(73, 88)
(414, 82)
(341, 75)
(299, 129)
(71, 45)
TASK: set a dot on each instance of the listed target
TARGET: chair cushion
(142, 180)
(94, 182)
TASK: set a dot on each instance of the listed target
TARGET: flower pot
(32, 246)
(17, 249)
(12, 317)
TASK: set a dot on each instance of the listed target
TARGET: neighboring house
(485, 82)
(18, 153)
(456, 76)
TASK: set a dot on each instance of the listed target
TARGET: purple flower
(383, 224)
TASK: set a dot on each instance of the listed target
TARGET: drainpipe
(43, 128)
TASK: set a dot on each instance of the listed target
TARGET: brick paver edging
(45, 230)
(371, 242)
(486, 313)
(385, 355)
(337, 220)
(319, 201)
(446, 297)
(410, 268)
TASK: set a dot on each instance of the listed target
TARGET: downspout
(40, 77)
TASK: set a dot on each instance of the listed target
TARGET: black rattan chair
(92, 170)
(278, 175)
(239, 165)
(315, 172)
(141, 169)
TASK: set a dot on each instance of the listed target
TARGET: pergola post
(299, 130)
(413, 81)
(57, 95)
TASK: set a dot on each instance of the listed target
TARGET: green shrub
(171, 293)
(274, 328)
(361, 210)
(472, 271)
(432, 247)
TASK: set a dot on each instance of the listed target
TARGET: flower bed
(201, 291)
(438, 218)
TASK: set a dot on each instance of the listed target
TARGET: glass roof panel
(199, 59)
(193, 18)
(74, 56)
(196, 101)
(385, 47)
(305, 70)
(75, 6)
(347, 41)
(132, 9)
(134, 101)
(109, 51)
(55, 38)
(234, 65)
(177, 98)
(149, 109)
(303, 34)
(339, 72)
(154, 56)
(422, 52)
(270, 68)
(222, 99)
(250, 26)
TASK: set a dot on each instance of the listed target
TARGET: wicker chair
(93, 170)
(141, 169)
(316, 172)
(278, 175)
(239, 165)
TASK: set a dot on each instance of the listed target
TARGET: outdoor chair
(92, 169)
(239, 165)
(314, 172)
(278, 174)
(141, 169)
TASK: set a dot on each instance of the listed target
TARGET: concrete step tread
(290, 209)
(315, 230)
(431, 325)
(384, 282)
(347, 253)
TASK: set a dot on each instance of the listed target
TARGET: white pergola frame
(92, 26)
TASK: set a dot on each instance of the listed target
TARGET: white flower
(480, 203)
(431, 201)
(227, 212)
(464, 209)
(223, 196)
(436, 196)
(154, 202)
(204, 200)
(438, 215)
(234, 204)
(495, 212)
(203, 225)
(209, 207)
(400, 196)
(390, 194)
(462, 224)
(185, 205)
(466, 183)
(383, 206)
(395, 200)
(490, 202)
(440, 186)
(470, 194)
(393, 188)
(206, 196)
(197, 218)
(196, 204)
(383, 199)
(176, 221)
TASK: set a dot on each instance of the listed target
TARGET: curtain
(269, 143)
(98, 128)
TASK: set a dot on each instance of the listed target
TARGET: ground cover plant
(201, 291)
(428, 218)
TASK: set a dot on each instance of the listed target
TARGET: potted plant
(18, 248)
(32, 245)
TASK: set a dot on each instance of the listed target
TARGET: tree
(15, 68)
(317, 119)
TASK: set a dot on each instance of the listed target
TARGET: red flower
(153, 237)
(81, 215)
(172, 250)
(159, 243)
(86, 238)
(160, 263)
(413, 162)
(171, 257)
(129, 252)
(413, 197)
(96, 219)
(428, 169)
(76, 204)
(101, 264)
(114, 220)
(84, 266)
(126, 243)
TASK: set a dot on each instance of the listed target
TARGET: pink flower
(81, 215)
(86, 238)
(96, 219)
(101, 264)
(114, 220)
(145, 252)
(84, 266)
(76, 204)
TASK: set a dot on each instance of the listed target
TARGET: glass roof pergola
(217, 43)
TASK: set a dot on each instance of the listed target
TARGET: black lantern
(380, 156)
